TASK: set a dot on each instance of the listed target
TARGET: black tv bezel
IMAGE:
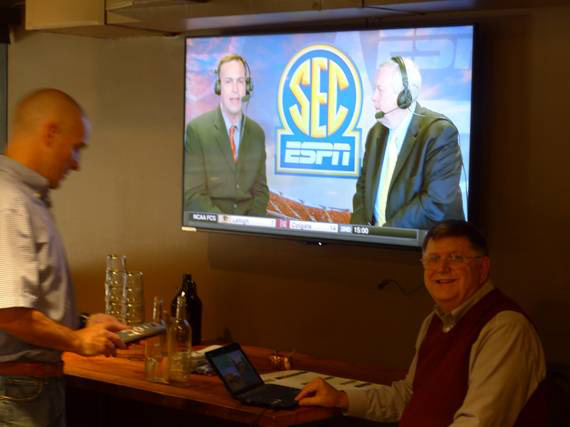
(321, 239)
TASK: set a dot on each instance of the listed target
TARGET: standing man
(225, 150)
(478, 361)
(37, 308)
(412, 161)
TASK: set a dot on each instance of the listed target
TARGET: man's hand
(320, 393)
(99, 338)
(107, 319)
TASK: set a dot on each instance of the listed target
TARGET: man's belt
(31, 369)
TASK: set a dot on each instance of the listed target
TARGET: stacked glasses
(124, 297)
(134, 299)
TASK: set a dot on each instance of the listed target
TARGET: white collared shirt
(33, 266)
(506, 364)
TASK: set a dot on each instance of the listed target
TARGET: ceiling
(10, 3)
(10, 14)
(120, 18)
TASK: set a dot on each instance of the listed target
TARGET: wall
(3, 95)
(283, 294)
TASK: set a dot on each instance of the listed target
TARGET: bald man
(38, 319)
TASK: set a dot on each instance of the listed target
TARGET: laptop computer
(244, 383)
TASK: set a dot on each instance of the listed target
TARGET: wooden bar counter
(113, 391)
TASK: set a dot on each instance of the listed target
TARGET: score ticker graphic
(320, 100)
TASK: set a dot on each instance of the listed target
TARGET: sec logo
(320, 101)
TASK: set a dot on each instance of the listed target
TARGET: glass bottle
(193, 307)
(156, 363)
(180, 345)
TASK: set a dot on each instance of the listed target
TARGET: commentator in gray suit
(412, 160)
(225, 151)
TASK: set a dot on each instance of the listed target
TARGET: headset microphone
(244, 99)
(381, 114)
(248, 79)
(405, 99)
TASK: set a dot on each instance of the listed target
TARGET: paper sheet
(299, 379)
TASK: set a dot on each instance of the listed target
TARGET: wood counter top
(123, 376)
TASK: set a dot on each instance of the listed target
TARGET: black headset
(405, 96)
(248, 81)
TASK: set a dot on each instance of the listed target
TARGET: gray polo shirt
(33, 265)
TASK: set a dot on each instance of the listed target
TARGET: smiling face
(450, 284)
(232, 88)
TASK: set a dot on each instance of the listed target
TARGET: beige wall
(283, 294)
(3, 87)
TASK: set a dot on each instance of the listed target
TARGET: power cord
(389, 9)
(387, 282)
(259, 415)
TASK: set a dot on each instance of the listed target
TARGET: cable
(245, 99)
(259, 415)
(389, 9)
(243, 121)
(386, 282)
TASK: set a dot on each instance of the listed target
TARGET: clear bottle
(180, 345)
(156, 363)
(193, 307)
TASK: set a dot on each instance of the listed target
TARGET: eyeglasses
(453, 260)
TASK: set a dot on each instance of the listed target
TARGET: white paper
(299, 379)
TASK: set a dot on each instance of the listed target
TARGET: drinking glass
(115, 286)
(134, 298)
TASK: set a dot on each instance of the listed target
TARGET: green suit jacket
(213, 182)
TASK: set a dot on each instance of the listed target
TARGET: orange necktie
(233, 142)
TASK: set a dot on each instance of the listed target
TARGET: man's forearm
(34, 327)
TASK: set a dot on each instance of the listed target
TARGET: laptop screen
(235, 369)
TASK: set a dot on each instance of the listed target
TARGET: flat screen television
(349, 136)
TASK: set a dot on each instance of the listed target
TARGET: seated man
(478, 361)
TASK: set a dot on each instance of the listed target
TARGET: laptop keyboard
(272, 395)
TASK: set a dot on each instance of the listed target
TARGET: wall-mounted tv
(358, 136)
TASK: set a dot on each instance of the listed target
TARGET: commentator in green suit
(225, 151)
(412, 161)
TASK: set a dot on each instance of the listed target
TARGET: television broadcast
(358, 136)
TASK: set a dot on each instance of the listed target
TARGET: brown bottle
(193, 307)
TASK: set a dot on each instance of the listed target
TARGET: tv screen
(360, 136)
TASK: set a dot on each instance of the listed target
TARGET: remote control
(140, 332)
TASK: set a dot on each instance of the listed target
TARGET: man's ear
(50, 132)
(485, 268)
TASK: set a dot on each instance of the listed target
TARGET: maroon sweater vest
(442, 371)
